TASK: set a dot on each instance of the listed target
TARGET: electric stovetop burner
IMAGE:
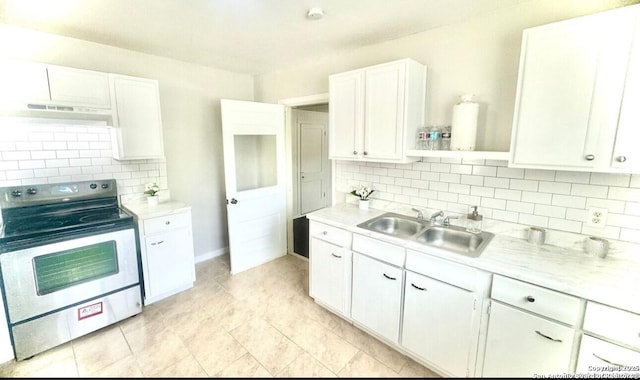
(57, 210)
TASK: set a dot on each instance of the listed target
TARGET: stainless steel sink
(395, 225)
(455, 239)
(450, 238)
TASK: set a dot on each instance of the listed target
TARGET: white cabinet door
(79, 87)
(626, 155)
(169, 263)
(600, 357)
(520, 344)
(375, 111)
(384, 111)
(346, 115)
(570, 86)
(137, 125)
(330, 276)
(437, 323)
(24, 82)
(377, 295)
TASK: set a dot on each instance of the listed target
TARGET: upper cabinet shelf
(463, 154)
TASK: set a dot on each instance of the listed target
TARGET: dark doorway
(301, 236)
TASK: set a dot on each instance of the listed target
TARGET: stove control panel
(20, 196)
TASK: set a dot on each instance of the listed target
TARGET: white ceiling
(247, 36)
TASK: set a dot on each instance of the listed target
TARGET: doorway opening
(311, 187)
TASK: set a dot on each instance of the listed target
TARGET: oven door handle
(158, 243)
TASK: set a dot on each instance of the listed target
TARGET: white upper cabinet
(374, 111)
(79, 87)
(23, 82)
(577, 94)
(137, 128)
(38, 83)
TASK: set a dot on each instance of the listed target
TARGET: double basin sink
(449, 238)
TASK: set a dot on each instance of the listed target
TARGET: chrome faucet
(435, 215)
(420, 215)
(446, 222)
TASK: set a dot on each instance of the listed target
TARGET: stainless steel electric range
(69, 262)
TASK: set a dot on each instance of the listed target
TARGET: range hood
(58, 113)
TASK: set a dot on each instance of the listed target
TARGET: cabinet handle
(417, 287)
(324, 232)
(622, 158)
(355, 152)
(336, 256)
(548, 337)
(389, 277)
(589, 157)
(158, 243)
(530, 299)
(167, 222)
(608, 361)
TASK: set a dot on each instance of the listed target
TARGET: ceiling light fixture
(315, 13)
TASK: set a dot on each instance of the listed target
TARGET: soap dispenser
(474, 221)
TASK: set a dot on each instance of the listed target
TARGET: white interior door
(314, 165)
(255, 182)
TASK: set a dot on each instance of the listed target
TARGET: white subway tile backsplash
(474, 180)
(39, 153)
(469, 199)
(564, 225)
(624, 194)
(507, 216)
(534, 197)
(402, 181)
(494, 203)
(510, 173)
(552, 211)
(568, 201)
(439, 186)
(575, 177)
(533, 220)
(520, 207)
(635, 180)
(621, 220)
(393, 172)
(496, 182)
(487, 171)
(609, 204)
(592, 191)
(523, 184)
(579, 215)
(430, 176)
(513, 195)
(554, 187)
(440, 168)
(632, 208)
(459, 189)
(609, 179)
(631, 235)
(450, 178)
(539, 175)
(482, 191)
(419, 184)
(461, 169)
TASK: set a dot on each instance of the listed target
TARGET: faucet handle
(447, 219)
(420, 215)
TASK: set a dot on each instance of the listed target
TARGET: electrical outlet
(597, 217)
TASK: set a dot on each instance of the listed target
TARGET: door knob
(234, 201)
(622, 159)
(590, 157)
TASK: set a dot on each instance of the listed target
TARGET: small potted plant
(152, 189)
(363, 193)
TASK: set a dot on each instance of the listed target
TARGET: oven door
(50, 277)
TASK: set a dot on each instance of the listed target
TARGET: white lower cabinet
(437, 323)
(166, 250)
(330, 276)
(377, 296)
(598, 357)
(520, 344)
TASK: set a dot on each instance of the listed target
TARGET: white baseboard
(210, 255)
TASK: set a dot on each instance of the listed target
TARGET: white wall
(189, 96)
(478, 56)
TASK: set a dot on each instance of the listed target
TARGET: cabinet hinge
(489, 309)
(475, 300)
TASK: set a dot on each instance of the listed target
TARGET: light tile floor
(258, 323)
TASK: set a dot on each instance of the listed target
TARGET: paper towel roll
(464, 124)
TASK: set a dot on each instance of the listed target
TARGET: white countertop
(142, 210)
(614, 280)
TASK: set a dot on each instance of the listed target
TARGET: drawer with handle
(612, 323)
(167, 222)
(330, 234)
(604, 358)
(543, 301)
